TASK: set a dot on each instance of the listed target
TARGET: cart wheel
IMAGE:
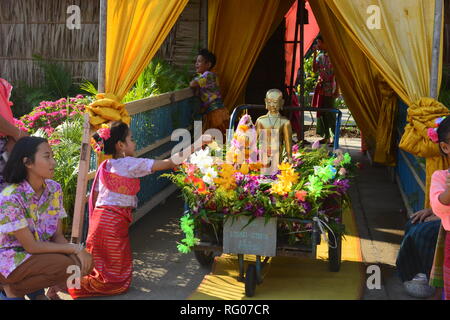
(204, 258)
(334, 254)
(250, 280)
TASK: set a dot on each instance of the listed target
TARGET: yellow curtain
(358, 80)
(237, 32)
(135, 31)
(401, 49)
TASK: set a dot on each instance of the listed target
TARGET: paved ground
(163, 273)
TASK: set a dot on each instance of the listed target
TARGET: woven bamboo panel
(30, 27)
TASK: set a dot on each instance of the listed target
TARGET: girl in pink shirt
(440, 192)
(112, 200)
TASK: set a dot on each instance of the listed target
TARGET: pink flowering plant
(49, 114)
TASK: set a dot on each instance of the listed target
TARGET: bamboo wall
(187, 36)
(447, 32)
(30, 27)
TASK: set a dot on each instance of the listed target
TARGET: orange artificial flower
(243, 127)
(301, 195)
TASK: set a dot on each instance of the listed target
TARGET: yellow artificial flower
(226, 178)
(244, 168)
(285, 166)
(52, 212)
(289, 176)
(281, 188)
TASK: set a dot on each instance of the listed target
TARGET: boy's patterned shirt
(209, 91)
(20, 208)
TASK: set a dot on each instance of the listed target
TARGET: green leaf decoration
(183, 248)
(347, 159)
(187, 226)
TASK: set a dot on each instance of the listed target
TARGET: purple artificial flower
(252, 185)
(342, 185)
(297, 162)
(259, 212)
(239, 177)
(306, 206)
(295, 148)
(248, 207)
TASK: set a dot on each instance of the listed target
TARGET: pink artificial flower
(54, 142)
(104, 133)
(191, 169)
(295, 148)
(49, 131)
(342, 172)
(432, 134)
(79, 96)
(316, 145)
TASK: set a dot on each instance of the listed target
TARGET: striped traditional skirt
(447, 267)
(109, 244)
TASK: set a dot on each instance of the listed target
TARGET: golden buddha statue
(274, 130)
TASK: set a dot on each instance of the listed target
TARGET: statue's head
(274, 100)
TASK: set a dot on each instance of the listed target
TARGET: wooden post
(436, 52)
(82, 180)
(204, 15)
(85, 156)
(102, 46)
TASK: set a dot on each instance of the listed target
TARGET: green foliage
(89, 87)
(66, 142)
(157, 78)
(57, 83)
(444, 94)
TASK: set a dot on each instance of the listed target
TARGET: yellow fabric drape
(357, 78)
(421, 116)
(401, 49)
(135, 31)
(237, 32)
(386, 147)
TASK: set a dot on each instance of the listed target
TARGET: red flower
(301, 195)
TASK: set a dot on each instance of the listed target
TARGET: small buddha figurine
(274, 120)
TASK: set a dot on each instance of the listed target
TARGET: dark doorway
(268, 72)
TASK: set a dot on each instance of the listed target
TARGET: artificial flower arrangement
(216, 187)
